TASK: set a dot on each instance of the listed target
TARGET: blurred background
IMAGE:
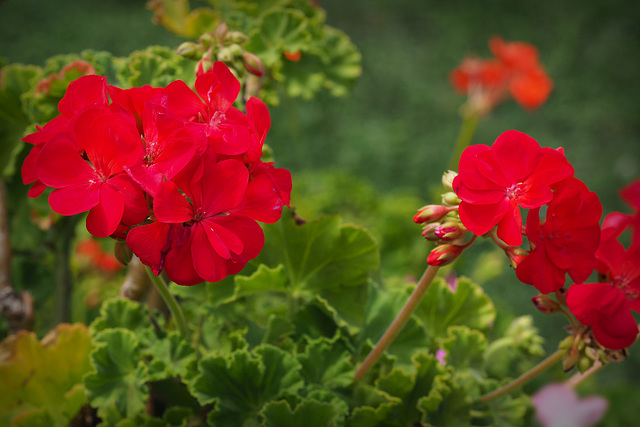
(376, 155)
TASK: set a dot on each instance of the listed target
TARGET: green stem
(399, 321)
(174, 307)
(468, 128)
(522, 379)
(578, 377)
(64, 232)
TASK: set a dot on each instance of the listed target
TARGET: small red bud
(450, 230)
(546, 304)
(122, 252)
(252, 63)
(444, 254)
(430, 213)
(516, 255)
(428, 232)
(293, 56)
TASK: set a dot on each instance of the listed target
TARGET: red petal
(223, 186)
(184, 103)
(103, 219)
(206, 260)
(519, 155)
(75, 199)
(619, 330)
(84, 91)
(261, 202)
(259, 118)
(538, 270)
(479, 219)
(592, 302)
(59, 164)
(178, 265)
(171, 206)
(149, 243)
(510, 226)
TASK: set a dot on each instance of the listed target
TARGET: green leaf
(341, 62)
(509, 410)
(515, 351)
(241, 383)
(124, 313)
(42, 380)
(279, 30)
(170, 356)
(465, 348)
(16, 79)
(383, 307)
(448, 402)
(322, 255)
(327, 363)
(156, 66)
(119, 376)
(374, 408)
(442, 307)
(309, 412)
(264, 279)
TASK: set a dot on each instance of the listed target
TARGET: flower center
(514, 191)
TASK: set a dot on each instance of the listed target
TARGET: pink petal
(558, 405)
(103, 219)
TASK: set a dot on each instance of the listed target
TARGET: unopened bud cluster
(583, 351)
(441, 224)
(222, 45)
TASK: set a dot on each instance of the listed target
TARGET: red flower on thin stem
(493, 182)
(566, 241)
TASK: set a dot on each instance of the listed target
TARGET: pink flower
(559, 406)
(494, 182)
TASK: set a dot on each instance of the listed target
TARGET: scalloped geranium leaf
(464, 348)
(308, 413)
(16, 79)
(449, 402)
(264, 279)
(156, 66)
(510, 410)
(515, 351)
(374, 408)
(410, 387)
(321, 254)
(117, 384)
(42, 380)
(240, 383)
(170, 356)
(327, 363)
(383, 307)
(124, 313)
(279, 30)
(342, 62)
(177, 17)
(465, 304)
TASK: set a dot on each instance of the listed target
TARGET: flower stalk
(526, 377)
(399, 322)
(174, 307)
(467, 130)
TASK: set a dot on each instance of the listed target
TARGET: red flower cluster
(177, 174)
(607, 306)
(514, 71)
(515, 172)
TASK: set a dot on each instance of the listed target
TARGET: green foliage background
(395, 130)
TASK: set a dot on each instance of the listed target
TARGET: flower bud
(561, 295)
(430, 213)
(189, 50)
(516, 255)
(444, 254)
(450, 230)
(252, 63)
(447, 179)
(546, 304)
(584, 363)
(566, 343)
(293, 56)
(207, 39)
(570, 359)
(122, 252)
(221, 32)
(236, 37)
(225, 54)
(428, 232)
(450, 199)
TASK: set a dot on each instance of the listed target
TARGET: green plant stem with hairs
(174, 307)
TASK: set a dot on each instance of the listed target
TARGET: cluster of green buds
(222, 45)
(441, 224)
(584, 352)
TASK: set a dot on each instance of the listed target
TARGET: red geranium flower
(606, 307)
(493, 182)
(196, 238)
(566, 241)
(110, 141)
